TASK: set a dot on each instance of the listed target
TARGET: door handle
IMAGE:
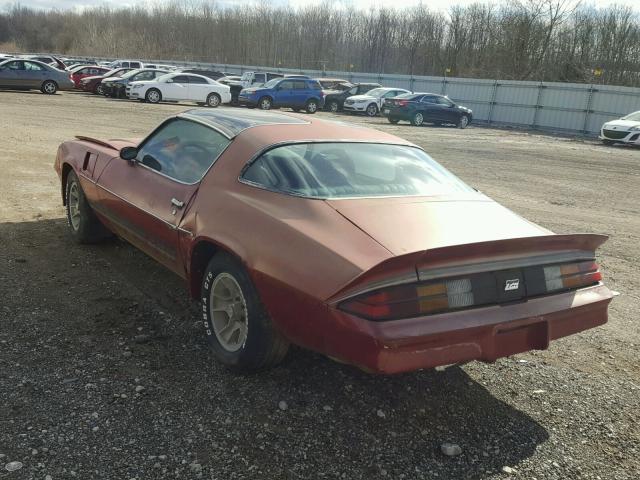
(177, 203)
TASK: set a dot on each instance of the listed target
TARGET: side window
(16, 66)
(390, 94)
(286, 85)
(444, 101)
(198, 80)
(429, 99)
(144, 76)
(353, 91)
(181, 79)
(300, 85)
(134, 64)
(313, 85)
(32, 66)
(182, 150)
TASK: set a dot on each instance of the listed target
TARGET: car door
(300, 93)
(34, 74)
(198, 88)
(429, 108)
(447, 111)
(284, 94)
(10, 74)
(176, 88)
(146, 199)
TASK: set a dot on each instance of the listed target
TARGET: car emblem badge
(511, 284)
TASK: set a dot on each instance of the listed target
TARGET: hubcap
(154, 97)
(265, 105)
(228, 312)
(464, 121)
(371, 110)
(312, 107)
(419, 119)
(213, 101)
(74, 206)
(333, 107)
(49, 87)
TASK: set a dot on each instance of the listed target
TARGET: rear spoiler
(457, 260)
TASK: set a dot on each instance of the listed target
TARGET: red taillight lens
(571, 275)
(411, 300)
(402, 103)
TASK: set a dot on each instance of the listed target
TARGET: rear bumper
(484, 334)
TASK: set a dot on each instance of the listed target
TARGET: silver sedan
(21, 74)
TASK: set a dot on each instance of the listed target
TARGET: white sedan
(177, 87)
(623, 130)
(371, 102)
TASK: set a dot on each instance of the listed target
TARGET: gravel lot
(104, 373)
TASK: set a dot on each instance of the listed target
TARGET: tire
(417, 119)
(49, 87)
(333, 106)
(99, 90)
(213, 100)
(372, 110)
(311, 106)
(83, 223)
(463, 121)
(265, 103)
(253, 342)
(393, 120)
(153, 95)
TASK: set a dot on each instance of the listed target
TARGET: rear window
(342, 170)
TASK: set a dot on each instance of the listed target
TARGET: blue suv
(296, 92)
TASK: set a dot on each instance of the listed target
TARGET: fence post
(411, 83)
(587, 110)
(443, 89)
(494, 92)
(541, 88)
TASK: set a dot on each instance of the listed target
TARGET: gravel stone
(450, 449)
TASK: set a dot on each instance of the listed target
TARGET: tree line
(550, 40)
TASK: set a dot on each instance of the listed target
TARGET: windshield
(130, 73)
(376, 92)
(343, 170)
(634, 117)
(272, 83)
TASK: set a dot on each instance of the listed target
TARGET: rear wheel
(85, 226)
(333, 106)
(213, 100)
(49, 87)
(372, 110)
(237, 326)
(311, 106)
(417, 119)
(265, 103)
(153, 95)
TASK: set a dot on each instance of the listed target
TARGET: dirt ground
(104, 372)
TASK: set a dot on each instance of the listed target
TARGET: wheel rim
(333, 106)
(74, 205)
(153, 96)
(418, 119)
(100, 90)
(312, 107)
(49, 87)
(213, 101)
(265, 104)
(464, 121)
(371, 110)
(228, 312)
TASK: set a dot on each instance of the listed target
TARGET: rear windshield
(343, 170)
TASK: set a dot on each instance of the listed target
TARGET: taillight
(411, 300)
(402, 103)
(571, 275)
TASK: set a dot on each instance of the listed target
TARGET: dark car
(94, 84)
(116, 87)
(295, 92)
(212, 74)
(418, 108)
(334, 99)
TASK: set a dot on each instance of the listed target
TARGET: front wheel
(463, 122)
(153, 96)
(311, 106)
(99, 90)
(85, 226)
(49, 87)
(372, 110)
(238, 328)
(265, 103)
(417, 119)
(213, 100)
(333, 106)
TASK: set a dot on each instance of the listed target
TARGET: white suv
(371, 102)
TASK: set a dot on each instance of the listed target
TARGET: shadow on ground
(82, 323)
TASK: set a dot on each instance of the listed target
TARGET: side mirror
(129, 153)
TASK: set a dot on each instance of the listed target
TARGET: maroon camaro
(344, 240)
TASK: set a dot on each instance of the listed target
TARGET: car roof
(233, 121)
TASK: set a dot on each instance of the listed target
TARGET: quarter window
(199, 80)
(183, 150)
(32, 67)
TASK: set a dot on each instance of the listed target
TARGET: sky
(362, 4)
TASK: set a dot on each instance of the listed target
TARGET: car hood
(621, 124)
(411, 224)
(93, 77)
(362, 97)
(113, 79)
